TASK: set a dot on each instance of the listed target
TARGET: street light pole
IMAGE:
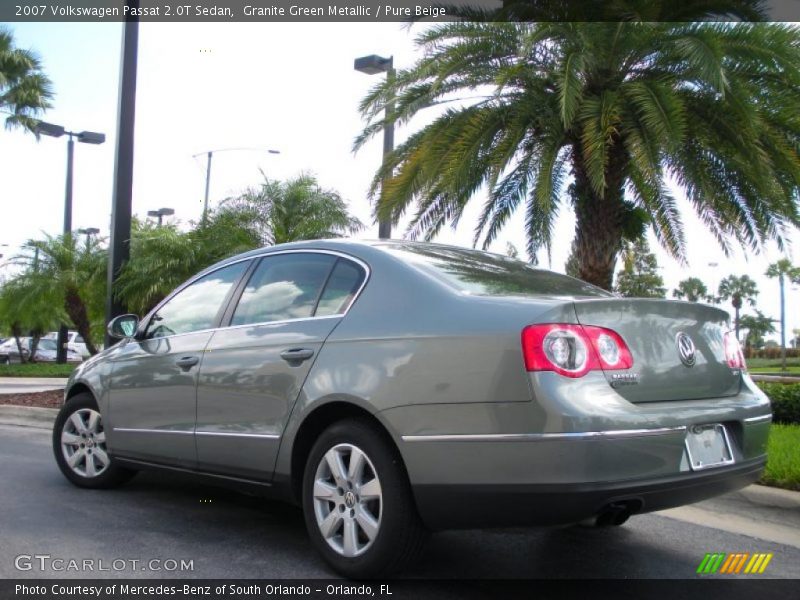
(68, 193)
(371, 65)
(208, 183)
(87, 137)
(209, 154)
(121, 210)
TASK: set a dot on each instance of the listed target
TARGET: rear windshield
(486, 274)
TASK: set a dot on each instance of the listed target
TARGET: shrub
(785, 400)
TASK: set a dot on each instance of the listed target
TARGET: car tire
(375, 530)
(80, 448)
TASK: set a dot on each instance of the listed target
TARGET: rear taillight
(733, 352)
(573, 350)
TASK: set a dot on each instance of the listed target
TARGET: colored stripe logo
(737, 563)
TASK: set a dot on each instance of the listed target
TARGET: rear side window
(486, 274)
(283, 287)
(341, 288)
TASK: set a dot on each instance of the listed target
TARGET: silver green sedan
(395, 388)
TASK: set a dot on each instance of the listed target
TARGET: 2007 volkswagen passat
(393, 388)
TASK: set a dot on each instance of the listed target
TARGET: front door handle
(297, 355)
(187, 362)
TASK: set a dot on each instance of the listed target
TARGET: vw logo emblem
(686, 350)
(350, 499)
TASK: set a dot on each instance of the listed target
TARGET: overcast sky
(289, 87)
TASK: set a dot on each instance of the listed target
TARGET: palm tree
(738, 290)
(691, 289)
(758, 326)
(276, 213)
(163, 257)
(75, 274)
(613, 106)
(783, 269)
(25, 91)
(27, 308)
(292, 210)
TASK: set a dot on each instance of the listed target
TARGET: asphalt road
(231, 535)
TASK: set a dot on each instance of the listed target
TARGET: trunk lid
(654, 331)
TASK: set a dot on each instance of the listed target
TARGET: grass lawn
(36, 370)
(783, 465)
(762, 365)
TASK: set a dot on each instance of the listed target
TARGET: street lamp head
(89, 231)
(50, 129)
(161, 212)
(274, 151)
(91, 137)
(373, 64)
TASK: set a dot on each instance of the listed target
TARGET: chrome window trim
(762, 418)
(513, 437)
(358, 261)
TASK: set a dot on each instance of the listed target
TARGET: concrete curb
(28, 416)
(31, 385)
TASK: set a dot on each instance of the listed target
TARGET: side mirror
(123, 326)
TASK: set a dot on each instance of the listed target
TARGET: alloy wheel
(348, 500)
(83, 443)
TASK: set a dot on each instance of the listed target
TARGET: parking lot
(223, 534)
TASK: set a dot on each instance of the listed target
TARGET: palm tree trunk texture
(783, 326)
(78, 314)
(599, 221)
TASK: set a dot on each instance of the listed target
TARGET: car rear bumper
(453, 506)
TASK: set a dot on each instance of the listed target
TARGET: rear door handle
(187, 362)
(297, 355)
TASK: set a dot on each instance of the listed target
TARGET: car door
(153, 387)
(253, 370)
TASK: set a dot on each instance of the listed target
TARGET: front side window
(195, 307)
(282, 287)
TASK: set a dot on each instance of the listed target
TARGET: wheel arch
(319, 419)
(78, 388)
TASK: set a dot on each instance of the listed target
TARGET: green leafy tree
(758, 327)
(277, 212)
(25, 91)
(292, 210)
(29, 309)
(613, 105)
(162, 258)
(783, 270)
(639, 276)
(691, 289)
(738, 290)
(71, 270)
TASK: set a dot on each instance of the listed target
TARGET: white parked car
(75, 342)
(45, 351)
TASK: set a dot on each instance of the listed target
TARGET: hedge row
(785, 401)
(772, 353)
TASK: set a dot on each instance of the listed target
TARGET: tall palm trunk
(783, 325)
(76, 309)
(599, 221)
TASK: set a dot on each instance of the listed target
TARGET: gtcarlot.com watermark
(47, 562)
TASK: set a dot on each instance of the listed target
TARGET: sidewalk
(28, 385)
